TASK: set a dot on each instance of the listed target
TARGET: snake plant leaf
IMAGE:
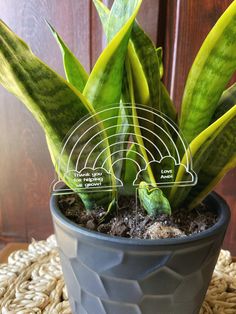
(209, 75)
(146, 78)
(103, 13)
(227, 101)
(130, 169)
(110, 31)
(221, 160)
(153, 200)
(148, 86)
(137, 130)
(75, 72)
(213, 153)
(141, 69)
(54, 102)
(121, 141)
(146, 67)
(167, 106)
(113, 21)
(144, 63)
(142, 55)
(223, 154)
(147, 56)
(44, 92)
(104, 85)
(119, 15)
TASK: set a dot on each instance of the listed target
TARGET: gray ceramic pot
(113, 275)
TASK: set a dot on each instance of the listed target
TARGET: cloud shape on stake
(165, 172)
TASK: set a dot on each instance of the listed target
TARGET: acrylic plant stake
(98, 147)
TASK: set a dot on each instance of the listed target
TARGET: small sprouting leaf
(153, 199)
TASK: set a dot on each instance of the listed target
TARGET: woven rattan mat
(32, 282)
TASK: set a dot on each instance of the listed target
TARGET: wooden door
(26, 170)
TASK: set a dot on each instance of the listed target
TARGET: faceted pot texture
(113, 275)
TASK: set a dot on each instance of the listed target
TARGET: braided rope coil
(33, 285)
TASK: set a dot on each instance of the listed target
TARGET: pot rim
(222, 210)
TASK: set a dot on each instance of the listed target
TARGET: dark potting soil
(132, 222)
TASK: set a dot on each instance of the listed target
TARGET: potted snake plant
(114, 274)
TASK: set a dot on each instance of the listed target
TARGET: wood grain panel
(187, 24)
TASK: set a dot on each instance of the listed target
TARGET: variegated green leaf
(44, 92)
(210, 72)
(142, 55)
(75, 72)
(104, 85)
(121, 140)
(136, 125)
(120, 13)
(148, 89)
(167, 106)
(221, 160)
(103, 13)
(213, 153)
(130, 170)
(146, 55)
(222, 157)
(54, 103)
(221, 154)
(120, 8)
(144, 59)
